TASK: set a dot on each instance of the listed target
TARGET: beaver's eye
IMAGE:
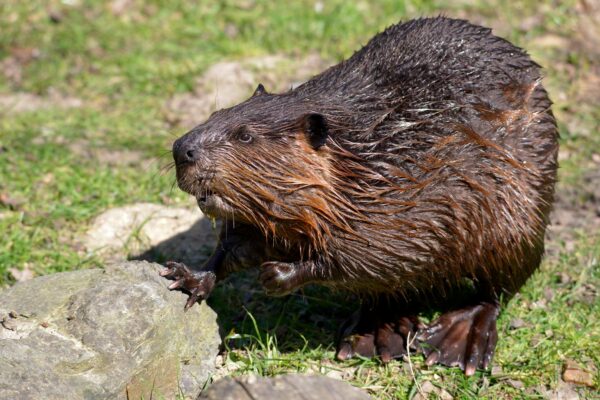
(245, 137)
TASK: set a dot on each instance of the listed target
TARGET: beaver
(418, 173)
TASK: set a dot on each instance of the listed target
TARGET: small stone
(219, 361)
(586, 293)
(120, 7)
(515, 383)
(10, 202)
(428, 389)
(335, 374)
(536, 340)
(444, 395)
(485, 383)
(55, 16)
(563, 391)
(573, 373)
(570, 246)
(517, 323)
(231, 31)
(497, 371)
(563, 278)
(540, 304)
(21, 275)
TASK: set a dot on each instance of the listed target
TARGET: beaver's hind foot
(465, 338)
(199, 284)
(374, 332)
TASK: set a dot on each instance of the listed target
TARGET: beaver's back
(458, 157)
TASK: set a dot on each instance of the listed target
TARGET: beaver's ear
(315, 127)
(260, 89)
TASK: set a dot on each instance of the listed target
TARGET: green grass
(125, 67)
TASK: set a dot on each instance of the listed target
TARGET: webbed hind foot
(465, 338)
(377, 332)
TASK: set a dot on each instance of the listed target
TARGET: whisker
(172, 187)
(167, 167)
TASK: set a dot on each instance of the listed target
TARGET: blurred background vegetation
(77, 75)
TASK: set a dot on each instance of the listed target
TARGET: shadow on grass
(309, 318)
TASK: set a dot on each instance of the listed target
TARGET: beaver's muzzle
(186, 150)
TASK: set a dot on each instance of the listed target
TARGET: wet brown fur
(437, 172)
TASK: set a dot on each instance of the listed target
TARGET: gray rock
(288, 387)
(103, 334)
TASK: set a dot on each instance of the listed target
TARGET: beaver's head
(265, 161)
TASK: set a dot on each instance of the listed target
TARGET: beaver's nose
(185, 151)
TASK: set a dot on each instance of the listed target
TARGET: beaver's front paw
(199, 284)
(278, 278)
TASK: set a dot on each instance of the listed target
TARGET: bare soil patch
(27, 102)
(227, 83)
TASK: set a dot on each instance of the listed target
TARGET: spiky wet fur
(438, 168)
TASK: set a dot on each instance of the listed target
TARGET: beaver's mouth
(213, 204)
(199, 183)
(208, 200)
(204, 196)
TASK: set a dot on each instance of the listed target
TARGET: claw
(175, 284)
(198, 284)
(165, 272)
(174, 270)
(344, 351)
(357, 345)
(376, 333)
(194, 296)
(432, 358)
